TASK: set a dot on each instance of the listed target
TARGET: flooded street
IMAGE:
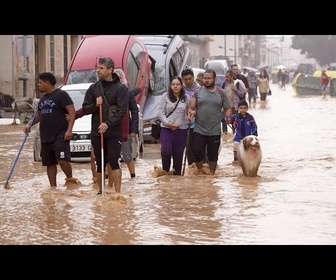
(292, 202)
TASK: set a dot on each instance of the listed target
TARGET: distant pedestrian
(253, 83)
(263, 85)
(324, 83)
(284, 79)
(279, 77)
(55, 130)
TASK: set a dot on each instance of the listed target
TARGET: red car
(129, 54)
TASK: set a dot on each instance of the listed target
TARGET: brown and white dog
(249, 155)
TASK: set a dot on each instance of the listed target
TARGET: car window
(82, 76)
(160, 72)
(133, 64)
(77, 97)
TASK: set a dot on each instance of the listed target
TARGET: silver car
(171, 55)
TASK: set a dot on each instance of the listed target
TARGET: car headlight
(76, 136)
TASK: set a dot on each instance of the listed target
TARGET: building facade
(23, 57)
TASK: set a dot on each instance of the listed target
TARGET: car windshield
(77, 97)
(160, 75)
(82, 76)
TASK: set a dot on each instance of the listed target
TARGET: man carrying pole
(108, 93)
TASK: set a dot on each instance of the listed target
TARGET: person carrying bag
(156, 127)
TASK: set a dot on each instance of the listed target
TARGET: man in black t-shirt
(55, 130)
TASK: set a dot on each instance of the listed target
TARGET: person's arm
(227, 106)
(79, 114)
(135, 91)
(89, 103)
(192, 107)
(27, 127)
(134, 110)
(72, 115)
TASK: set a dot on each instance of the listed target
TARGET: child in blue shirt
(244, 124)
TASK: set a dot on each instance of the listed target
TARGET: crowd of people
(193, 114)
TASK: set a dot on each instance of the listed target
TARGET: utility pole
(224, 46)
(25, 49)
(235, 49)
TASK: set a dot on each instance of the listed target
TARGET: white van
(220, 66)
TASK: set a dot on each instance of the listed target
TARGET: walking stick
(186, 149)
(102, 147)
(7, 186)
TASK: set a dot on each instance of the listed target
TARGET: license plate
(80, 148)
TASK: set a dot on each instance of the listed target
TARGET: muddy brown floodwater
(292, 202)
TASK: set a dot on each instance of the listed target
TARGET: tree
(320, 47)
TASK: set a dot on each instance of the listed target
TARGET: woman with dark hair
(173, 108)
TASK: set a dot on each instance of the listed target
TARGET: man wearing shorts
(55, 130)
(110, 126)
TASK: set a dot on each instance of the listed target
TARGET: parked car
(220, 66)
(129, 54)
(170, 56)
(80, 146)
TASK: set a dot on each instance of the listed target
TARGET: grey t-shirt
(209, 111)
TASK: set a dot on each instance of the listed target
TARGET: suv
(170, 55)
(129, 54)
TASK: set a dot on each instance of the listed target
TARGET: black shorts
(52, 152)
(211, 143)
(111, 150)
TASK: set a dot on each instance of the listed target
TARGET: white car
(80, 146)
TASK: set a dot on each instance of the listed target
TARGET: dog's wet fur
(250, 155)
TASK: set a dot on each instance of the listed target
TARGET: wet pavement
(292, 202)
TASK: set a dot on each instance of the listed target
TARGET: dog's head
(251, 142)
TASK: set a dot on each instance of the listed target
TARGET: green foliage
(320, 47)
